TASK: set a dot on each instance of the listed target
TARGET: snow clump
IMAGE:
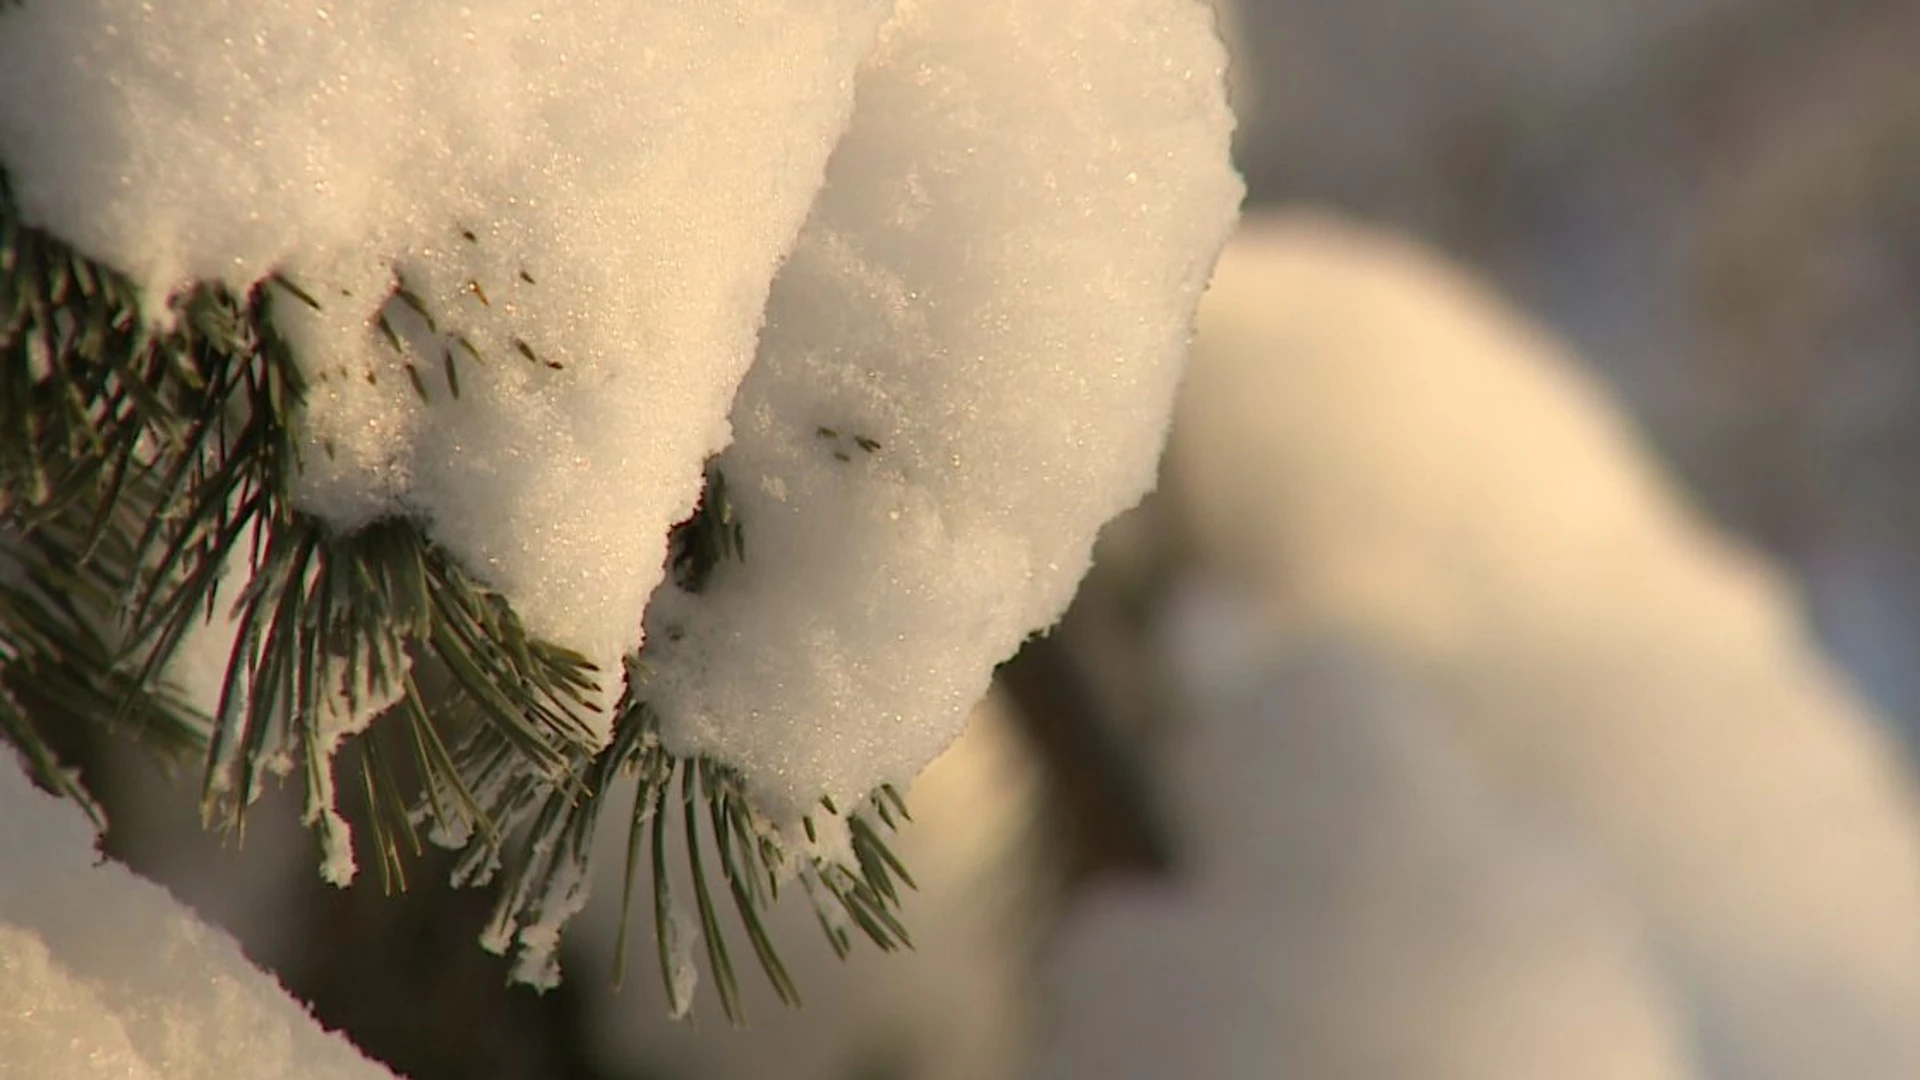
(965, 372)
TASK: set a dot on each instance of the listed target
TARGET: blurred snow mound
(103, 975)
(1513, 661)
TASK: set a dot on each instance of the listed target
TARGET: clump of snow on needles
(967, 363)
(103, 975)
(966, 366)
(588, 199)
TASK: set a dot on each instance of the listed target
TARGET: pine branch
(145, 480)
(179, 451)
(751, 856)
(716, 816)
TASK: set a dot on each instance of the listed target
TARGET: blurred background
(1191, 838)
(1716, 201)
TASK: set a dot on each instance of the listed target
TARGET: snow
(104, 975)
(967, 361)
(965, 366)
(1504, 689)
(345, 711)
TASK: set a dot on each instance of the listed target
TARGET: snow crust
(1375, 452)
(576, 213)
(963, 375)
(103, 975)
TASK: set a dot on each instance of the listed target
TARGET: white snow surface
(967, 362)
(1515, 640)
(995, 292)
(103, 975)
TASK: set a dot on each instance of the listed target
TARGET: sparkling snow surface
(103, 975)
(1519, 743)
(968, 358)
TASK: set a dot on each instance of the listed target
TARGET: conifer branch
(145, 491)
(751, 857)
